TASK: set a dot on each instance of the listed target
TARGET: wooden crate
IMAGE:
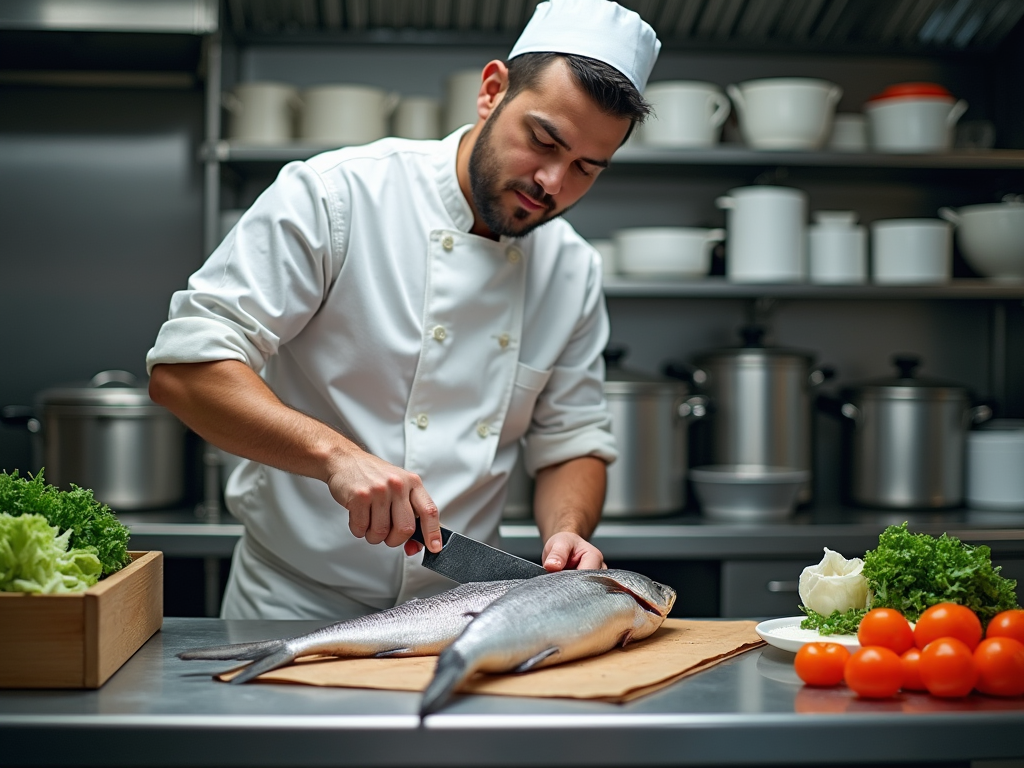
(80, 640)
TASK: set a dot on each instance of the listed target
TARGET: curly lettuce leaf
(836, 623)
(34, 558)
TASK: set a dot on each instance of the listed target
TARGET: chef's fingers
(590, 559)
(412, 547)
(426, 511)
(380, 519)
(403, 521)
(358, 518)
(559, 554)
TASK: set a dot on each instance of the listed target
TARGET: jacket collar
(448, 180)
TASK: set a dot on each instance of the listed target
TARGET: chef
(389, 325)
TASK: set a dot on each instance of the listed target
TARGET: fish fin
(451, 671)
(625, 638)
(614, 587)
(236, 652)
(472, 614)
(533, 661)
(266, 663)
(392, 652)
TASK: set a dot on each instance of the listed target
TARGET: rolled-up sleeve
(571, 417)
(261, 286)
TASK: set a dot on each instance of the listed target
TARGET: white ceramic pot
(766, 234)
(686, 114)
(837, 249)
(461, 91)
(417, 117)
(995, 466)
(666, 251)
(907, 251)
(261, 113)
(991, 237)
(609, 256)
(913, 123)
(849, 133)
(345, 114)
(786, 112)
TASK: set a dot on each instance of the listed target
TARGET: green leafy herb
(33, 558)
(834, 624)
(91, 523)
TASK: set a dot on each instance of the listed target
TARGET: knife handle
(417, 535)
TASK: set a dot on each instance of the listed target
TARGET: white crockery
(261, 112)
(786, 112)
(345, 114)
(786, 635)
(849, 133)
(461, 91)
(837, 249)
(686, 113)
(991, 237)
(609, 256)
(666, 251)
(766, 234)
(747, 493)
(913, 123)
(995, 466)
(909, 251)
(417, 117)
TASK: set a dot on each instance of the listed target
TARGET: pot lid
(753, 346)
(110, 388)
(906, 385)
(623, 381)
(913, 90)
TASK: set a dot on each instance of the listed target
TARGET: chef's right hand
(383, 502)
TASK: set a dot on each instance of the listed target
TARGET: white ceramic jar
(766, 234)
(666, 251)
(686, 113)
(345, 114)
(995, 466)
(461, 91)
(417, 117)
(786, 112)
(908, 251)
(261, 112)
(913, 117)
(837, 248)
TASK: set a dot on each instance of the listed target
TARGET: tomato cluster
(943, 654)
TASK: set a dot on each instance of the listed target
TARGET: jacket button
(447, 242)
(514, 255)
(422, 420)
(439, 333)
(483, 430)
(503, 340)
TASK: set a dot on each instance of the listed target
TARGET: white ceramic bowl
(685, 114)
(911, 251)
(786, 112)
(747, 493)
(261, 112)
(913, 123)
(345, 114)
(665, 251)
(995, 466)
(991, 237)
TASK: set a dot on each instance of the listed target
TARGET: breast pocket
(528, 385)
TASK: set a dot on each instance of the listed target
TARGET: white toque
(597, 29)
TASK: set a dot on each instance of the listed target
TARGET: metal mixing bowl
(747, 493)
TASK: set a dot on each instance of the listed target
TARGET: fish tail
(452, 669)
(237, 652)
(271, 660)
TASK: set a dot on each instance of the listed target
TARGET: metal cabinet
(760, 588)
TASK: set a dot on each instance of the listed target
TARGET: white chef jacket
(354, 285)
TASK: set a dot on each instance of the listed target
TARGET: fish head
(654, 597)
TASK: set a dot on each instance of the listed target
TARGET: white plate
(786, 635)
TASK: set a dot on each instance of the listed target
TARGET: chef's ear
(493, 87)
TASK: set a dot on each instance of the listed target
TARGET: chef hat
(597, 29)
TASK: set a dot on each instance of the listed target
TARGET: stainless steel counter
(156, 711)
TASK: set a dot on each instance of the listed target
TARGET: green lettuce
(835, 623)
(34, 558)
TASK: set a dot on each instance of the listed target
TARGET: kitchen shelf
(726, 155)
(720, 288)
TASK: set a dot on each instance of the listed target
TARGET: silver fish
(550, 619)
(417, 628)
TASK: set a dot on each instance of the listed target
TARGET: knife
(463, 559)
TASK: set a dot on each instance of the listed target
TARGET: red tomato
(821, 663)
(1007, 624)
(1000, 665)
(911, 661)
(947, 668)
(948, 620)
(887, 628)
(874, 672)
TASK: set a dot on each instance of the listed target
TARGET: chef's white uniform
(353, 285)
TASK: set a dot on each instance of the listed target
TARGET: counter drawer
(760, 588)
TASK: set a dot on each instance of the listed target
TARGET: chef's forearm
(230, 406)
(569, 497)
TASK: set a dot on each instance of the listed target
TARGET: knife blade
(463, 559)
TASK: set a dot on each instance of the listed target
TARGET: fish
(419, 627)
(548, 620)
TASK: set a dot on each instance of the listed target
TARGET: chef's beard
(486, 187)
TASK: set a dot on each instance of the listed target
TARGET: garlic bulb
(834, 584)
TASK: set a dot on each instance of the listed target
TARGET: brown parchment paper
(679, 648)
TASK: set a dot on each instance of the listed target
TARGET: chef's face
(538, 153)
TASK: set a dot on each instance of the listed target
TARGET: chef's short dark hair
(612, 91)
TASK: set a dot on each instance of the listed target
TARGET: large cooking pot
(760, 403)
(109, 436)
(650, 418)
(906, 439)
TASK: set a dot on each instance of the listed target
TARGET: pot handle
(819, 376)
(850, 411)
(835, 93)
(714, 236)
(20, 416)
(950, 215)
(956, 113)
(693, 408)
(737, 98)
(231, 103)
(979, 414)
(391, 103)
(122, 378)
(722, 109)
(725, 202)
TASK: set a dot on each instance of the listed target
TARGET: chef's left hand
(567, 551)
